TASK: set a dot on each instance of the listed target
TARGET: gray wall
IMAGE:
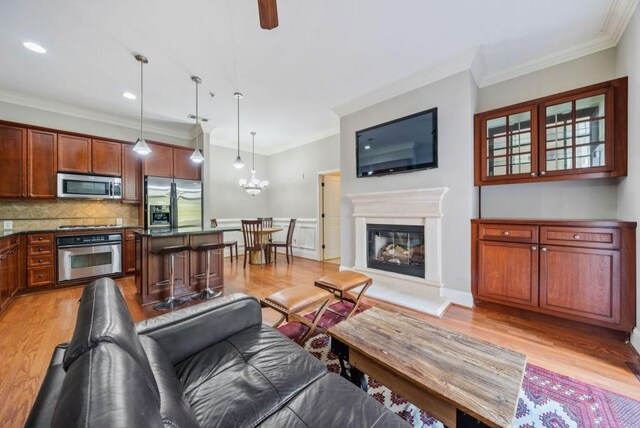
(455, 98)
(580, 199)
(629, 189)
(293, 177)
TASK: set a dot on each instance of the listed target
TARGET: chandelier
(253, 186)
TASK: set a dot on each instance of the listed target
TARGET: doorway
(330, 216)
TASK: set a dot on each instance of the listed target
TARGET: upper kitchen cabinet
(573, 135)
(42, 164)
(184, 167)
(106, 157)
(131, 178)
(13, 161)
(74, 154)
(158, 163)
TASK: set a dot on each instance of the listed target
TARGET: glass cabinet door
(576, 135)
(509, 145)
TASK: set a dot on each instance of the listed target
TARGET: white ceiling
(324, 55)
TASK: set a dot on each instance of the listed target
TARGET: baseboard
(635, 339)
(462, 298)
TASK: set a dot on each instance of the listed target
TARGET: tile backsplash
(34, 214)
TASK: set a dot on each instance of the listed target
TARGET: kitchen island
(152, 269)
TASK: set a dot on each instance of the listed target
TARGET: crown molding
(409, 83)
(618, 16)
(88, 114)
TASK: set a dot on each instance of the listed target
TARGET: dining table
(263, 237)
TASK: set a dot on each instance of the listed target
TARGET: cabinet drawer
(40, 238)
(41, 276)
(589, 237)
(39, 249)
(509, 232)
(38, 261)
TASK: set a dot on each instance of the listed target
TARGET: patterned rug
(547, 399)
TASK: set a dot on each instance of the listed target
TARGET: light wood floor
(33, 325)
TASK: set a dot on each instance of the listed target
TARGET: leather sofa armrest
(187, 331)
(41, 413)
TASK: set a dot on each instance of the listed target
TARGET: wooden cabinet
(40, 260)
(13, 161)
(159, 163)
(573, 135)
(9, 269)
(74, 154)
(581, 270)
(130, 251)
(131, 177)
(106, 157)
(42, 164)
(184, 167)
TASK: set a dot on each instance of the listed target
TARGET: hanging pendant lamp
(253, 186)
(196, 156)
(238, 162)
(141, 146)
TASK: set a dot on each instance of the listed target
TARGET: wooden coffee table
(455, 378)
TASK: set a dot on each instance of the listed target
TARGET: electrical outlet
(8, 224)
(119, 221)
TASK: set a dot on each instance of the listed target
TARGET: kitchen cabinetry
(130, 251)
(13, 161)
(42, 164)
(573, 135)
(184, 167)
(131, 178)
(9, 269)
(106, 157)
(74, 154)
(159, 163)
(581, 270)
(40, 260)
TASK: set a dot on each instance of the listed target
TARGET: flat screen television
(402, 145)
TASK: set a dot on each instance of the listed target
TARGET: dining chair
(266, 221)
(252, 233)
(230, 244)
(287, 245)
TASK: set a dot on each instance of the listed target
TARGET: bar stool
(207, 293)
(172, 302)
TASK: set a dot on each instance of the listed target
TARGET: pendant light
(238, 162)
(141, 146)
(253, 186)
(196, 156)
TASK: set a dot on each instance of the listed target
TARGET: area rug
(547, 399)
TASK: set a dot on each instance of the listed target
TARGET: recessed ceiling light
(129, 95)
(34, 47)
(367, 147)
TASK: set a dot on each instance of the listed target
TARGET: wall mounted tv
(402, 145)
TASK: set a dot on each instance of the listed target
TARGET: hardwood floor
(34, 324)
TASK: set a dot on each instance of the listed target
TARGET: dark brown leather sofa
(210, 365)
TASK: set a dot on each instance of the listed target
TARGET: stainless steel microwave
(89, 186)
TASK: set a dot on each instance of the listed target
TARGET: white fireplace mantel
(416, 207)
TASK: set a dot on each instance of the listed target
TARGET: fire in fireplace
(396, 248)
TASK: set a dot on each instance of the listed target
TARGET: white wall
(455, 99)
(629, 189)
(578, 199)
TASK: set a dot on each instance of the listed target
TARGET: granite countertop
(9, 232)
(164, 232)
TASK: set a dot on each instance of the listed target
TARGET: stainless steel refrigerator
(172, 203)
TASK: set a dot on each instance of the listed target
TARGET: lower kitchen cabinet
(129, 254)
(9, 269)
(580, 270)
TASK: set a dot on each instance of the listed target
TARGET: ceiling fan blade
(268, 14)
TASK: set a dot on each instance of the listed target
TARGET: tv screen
(402, 145)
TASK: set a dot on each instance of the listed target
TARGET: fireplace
(396, 248)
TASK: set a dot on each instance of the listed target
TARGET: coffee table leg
(466, 421)
(342, 351)
(358, 379)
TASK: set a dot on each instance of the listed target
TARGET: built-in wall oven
(90, 255)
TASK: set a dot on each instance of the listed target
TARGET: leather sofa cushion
(174, 408)
(103, 316)
(242, 380)
(105, 388)
(333, 402)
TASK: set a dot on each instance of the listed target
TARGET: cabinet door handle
(505, 233)
(39, 260)
(544, 248)
(543, 172)
(39, 238)
(576, 236)
(533, 174)
(533, 248)
(39, 276)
